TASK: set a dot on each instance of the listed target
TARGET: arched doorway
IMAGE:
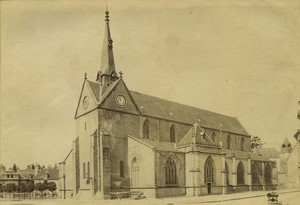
(209, 173)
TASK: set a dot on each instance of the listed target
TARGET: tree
(256, 143)
(41, 187)
(15, 168)
(22, 189)
(11, 187)
(30, 187)
(32, 166)
(51, 187)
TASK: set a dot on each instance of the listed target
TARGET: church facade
(129, 141)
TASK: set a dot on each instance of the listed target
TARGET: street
(247, 198)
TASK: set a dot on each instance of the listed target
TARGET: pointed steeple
(107, 66)
(107, 73)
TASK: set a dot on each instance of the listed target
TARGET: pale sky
(239, 58)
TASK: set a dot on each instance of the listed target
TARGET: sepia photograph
(167, 102)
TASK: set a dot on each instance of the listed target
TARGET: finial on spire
(107, 14)
(85, 76)
(121, 74)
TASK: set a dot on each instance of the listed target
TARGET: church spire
(107, 66)
(107, 73)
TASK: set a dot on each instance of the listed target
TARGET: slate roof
(169, 110)
(165, 109)
(158, 145)
(95, 88)
(196, 135)
(265, 153)
(49, 174)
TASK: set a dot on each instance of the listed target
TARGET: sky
(238, 58)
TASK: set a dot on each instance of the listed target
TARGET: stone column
(263, 176)
(249, 174)
(223, 172)
(234, 179)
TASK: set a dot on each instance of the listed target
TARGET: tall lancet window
(240, 174)
(209, 170)
(255, 171)
(146, 129)
(88, 170)
(172, 134)
(170, 172)
(268, 174)
(135, 173)
(83, 170)
(122, 169)
(228, 142)
(213, 137)
(242, 144)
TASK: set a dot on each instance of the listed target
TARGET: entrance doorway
(208, 188)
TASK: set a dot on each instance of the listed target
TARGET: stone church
(129, 141)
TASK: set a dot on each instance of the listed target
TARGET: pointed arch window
(268, 174)
(228, 142)
(209, 170)
(240, 174)
(213, 137)
(242, 144)
(135, 173)
(170, 172)
(255, 174)
(122, 169)
(83, 170)
(146, 129)
(172, 134)
(88, 170)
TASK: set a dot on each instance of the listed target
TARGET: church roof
(169, 110)
(165, 109)
(157, 145)
(266, 153)
(196, 135)
(95, 87)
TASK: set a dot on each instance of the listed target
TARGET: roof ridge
(183, 104)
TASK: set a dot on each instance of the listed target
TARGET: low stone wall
(257, 188)
(170, 192)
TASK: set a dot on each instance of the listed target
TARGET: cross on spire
(85, 76)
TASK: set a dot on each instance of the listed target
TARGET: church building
(129, 141)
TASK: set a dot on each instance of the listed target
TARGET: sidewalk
(150, 201)
(183, 199)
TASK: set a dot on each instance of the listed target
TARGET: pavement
(286, 197)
